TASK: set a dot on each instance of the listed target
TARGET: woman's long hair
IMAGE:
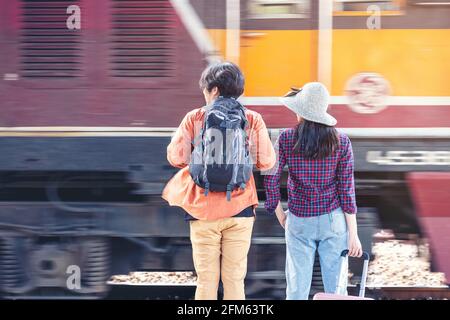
(315, 140)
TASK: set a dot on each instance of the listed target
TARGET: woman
(321, 193)
(220, 229)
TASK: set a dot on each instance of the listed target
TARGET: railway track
(409, 293)
(151, 292)
(400, 270)
(186, 292)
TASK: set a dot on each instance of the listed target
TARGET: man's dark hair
(226, 76)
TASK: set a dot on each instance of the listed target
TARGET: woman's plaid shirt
(315, 187)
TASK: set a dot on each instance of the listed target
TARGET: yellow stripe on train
(414, 61)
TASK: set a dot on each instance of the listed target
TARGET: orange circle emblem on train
(367, 93)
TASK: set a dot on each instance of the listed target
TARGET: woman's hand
(281, 219)
(281, 216)
(354, 245)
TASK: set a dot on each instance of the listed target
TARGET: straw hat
(311, 103)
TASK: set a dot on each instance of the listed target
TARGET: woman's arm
(272, 183)
(354, 245)
(261, 147)
(345, 177)
(347, 198)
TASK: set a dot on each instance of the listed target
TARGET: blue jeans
(328, 234)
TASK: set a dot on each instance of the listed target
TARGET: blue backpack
(221, 159)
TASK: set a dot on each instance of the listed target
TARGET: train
(91, 92)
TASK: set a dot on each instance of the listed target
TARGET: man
(221, 222)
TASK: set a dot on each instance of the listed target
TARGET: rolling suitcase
(340, 293)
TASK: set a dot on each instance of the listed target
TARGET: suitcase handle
(362, 287)
(365, 255)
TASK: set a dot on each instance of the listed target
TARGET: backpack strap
(242, 109)
(202, 129)
(228, 192)
(202, 132)
(206, 188)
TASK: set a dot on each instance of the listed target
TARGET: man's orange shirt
(182, 191)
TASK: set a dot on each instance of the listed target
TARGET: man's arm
(262, 149)
(180, 147)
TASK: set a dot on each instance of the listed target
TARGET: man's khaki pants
(220, 249)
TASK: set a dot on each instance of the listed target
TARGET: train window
(359, 7)
(278, 9)
(143, 44)
(49, 50)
